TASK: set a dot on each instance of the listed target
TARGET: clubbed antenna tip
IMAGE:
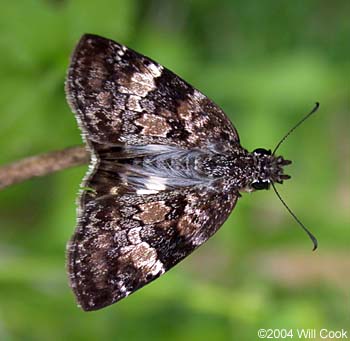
(311, 236)
(296, 126)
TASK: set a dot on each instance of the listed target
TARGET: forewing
(120, 96)
(125, 241)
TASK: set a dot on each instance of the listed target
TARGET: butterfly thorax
(246, 169)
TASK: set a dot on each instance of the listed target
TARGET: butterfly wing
(128, 106)
(125, 241)
(120, 96)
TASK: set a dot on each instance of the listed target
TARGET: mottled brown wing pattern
(136, 223)
(121, 96)
(124, 242)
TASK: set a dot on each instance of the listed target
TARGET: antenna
(311, 236)
(296, 126)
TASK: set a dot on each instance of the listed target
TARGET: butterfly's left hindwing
(124, 242)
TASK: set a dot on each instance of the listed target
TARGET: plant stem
(42, 164)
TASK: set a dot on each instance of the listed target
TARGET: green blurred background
(265, 63)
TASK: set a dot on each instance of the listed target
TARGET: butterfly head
(269, 169)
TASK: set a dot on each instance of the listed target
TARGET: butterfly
(166, 170)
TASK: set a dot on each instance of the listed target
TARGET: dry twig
(41, 165)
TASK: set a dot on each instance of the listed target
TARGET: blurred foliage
(265, 63)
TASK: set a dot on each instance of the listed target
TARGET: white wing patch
(153, 185)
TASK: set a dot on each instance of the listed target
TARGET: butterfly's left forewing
(120, 96)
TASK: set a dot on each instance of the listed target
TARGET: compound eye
(261, 184)
(262, 151)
